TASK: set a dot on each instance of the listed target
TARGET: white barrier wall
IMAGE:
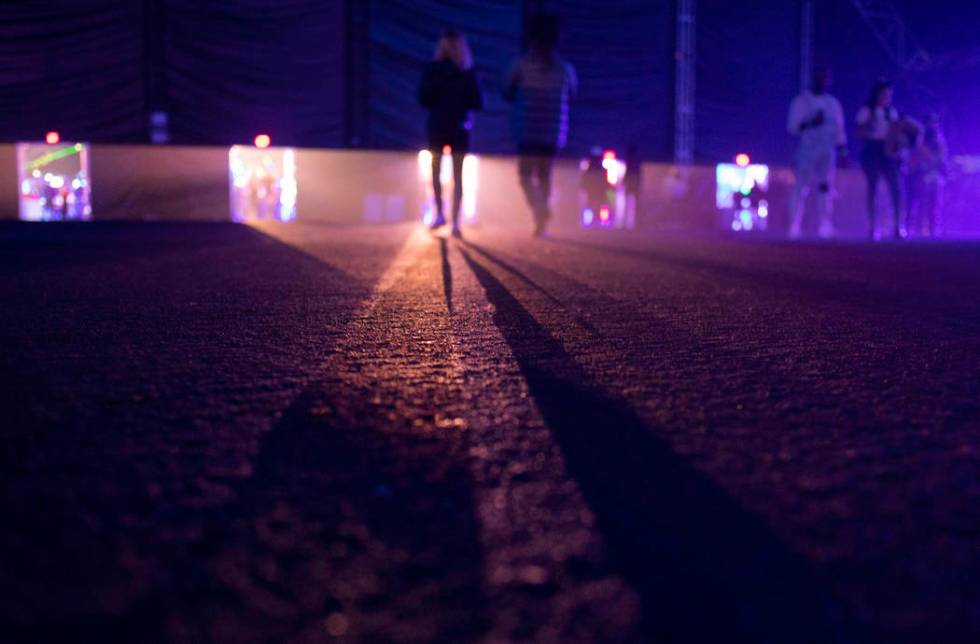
(356, 186)
(8, 182)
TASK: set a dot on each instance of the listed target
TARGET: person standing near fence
(817, 119)
(540, 85)
(875, 120)
(928, 165)
(449, 91)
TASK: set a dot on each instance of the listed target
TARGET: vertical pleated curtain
(748, 68)
(225, 70)
(621, 49)
(236, 68)
(403, 36)
(75, 67)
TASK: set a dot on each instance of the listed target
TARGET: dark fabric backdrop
(235, 68)
(74, 67)
(228, 69)
(403, 35)
(748, 67)
(623, 53)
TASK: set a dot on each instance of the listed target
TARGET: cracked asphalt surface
(324, 434)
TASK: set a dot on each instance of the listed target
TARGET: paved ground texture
(306, 433)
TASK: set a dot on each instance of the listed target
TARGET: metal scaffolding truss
(806, 44)
(894, 35)
(684, 83)
(959, 59)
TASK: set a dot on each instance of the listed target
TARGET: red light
(609, 154)
(604, 213)
(263, 141)
(447, 149)
(52, 137)
(742, 160)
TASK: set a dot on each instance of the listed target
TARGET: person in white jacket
(817, 119)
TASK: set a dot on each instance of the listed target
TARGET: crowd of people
(907, 155)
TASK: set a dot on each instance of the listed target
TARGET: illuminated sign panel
(53, 181)
(262, 183)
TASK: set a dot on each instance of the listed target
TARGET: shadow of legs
(706, 569)
(447, 274)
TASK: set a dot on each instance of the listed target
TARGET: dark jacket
(449, 93)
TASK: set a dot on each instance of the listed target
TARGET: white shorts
(816, 166)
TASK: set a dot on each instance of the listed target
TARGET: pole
(806, 44)
(684, 83)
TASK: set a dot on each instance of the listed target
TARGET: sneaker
(438, 222)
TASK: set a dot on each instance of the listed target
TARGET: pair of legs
(457, 157)
(814, 167)
(878, 166)
(633, 214)
(458, 143)
(534, 169)
(925, 201)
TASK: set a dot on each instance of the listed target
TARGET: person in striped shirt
(539, 85)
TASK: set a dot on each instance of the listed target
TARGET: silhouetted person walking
(817, 119)
(539, 85)
(874, 122)
(449, 90)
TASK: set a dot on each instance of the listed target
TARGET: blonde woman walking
(449, 91)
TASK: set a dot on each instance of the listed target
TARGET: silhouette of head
(543, 32)
(880, 95)
(822, 79)
(452, 46)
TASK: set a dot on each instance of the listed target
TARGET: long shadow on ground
(706, 569)
(510, 268)
(342, 518)
(938, 307)
(135, 504)
(447, 274)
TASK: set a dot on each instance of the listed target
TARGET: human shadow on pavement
(902, 299)
(705, 568)
(224, 490)
(447, 274)
(345, 519)
(522, 276)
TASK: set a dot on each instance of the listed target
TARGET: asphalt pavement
(311, 433)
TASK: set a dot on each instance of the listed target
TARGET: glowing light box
(603, 201)
(741, 195)
(262, 183)
(54, 183)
